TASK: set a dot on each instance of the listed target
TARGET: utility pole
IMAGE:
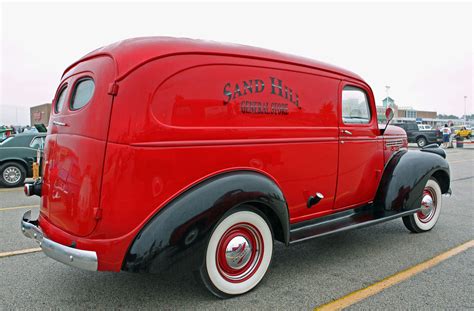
(465, 112)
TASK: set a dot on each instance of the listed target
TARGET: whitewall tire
(431, 203)
(238, 253)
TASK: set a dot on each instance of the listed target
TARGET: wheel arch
(404, 178)
(177, 235)
(443, 179)
(276, 223)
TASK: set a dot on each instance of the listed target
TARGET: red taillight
(33, 189)
(26, 189)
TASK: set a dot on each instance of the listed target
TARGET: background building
(409, 114)
(40, 114)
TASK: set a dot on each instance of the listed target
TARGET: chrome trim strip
(59, 123)
(78, 258)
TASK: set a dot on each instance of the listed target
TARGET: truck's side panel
(183, 119)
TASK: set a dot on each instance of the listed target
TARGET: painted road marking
(394, 279)
(2, 209)
(20, 252)
(11, 189)
(462, 178)
(459, 161)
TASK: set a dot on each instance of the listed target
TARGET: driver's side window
(355, 106)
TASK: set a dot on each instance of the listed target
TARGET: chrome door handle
(346, 132)
(59, 123)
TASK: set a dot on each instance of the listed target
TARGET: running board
(341, 221)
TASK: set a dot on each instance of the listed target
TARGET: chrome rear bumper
(83, 259)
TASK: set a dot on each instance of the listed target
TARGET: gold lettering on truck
(276, 86)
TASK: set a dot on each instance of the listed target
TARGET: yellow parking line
(11, 189)
(20, 252)
(396, 278)
(17, 207)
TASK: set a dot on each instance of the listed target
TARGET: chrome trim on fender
(78, 258)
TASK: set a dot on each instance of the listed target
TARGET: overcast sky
(423, 51)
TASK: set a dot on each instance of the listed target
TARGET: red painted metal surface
(75, 150)
(168, 113)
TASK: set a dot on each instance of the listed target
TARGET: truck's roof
(131, 53)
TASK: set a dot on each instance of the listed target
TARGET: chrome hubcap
(11, 175)
(238, 252)
(426, 204)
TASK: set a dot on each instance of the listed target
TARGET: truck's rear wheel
(238, 253)
(425, 219)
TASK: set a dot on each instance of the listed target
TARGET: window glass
(6, 139)
(82, 93)
(60, 101)
(412, 127)
(355, 106)
(38, 142)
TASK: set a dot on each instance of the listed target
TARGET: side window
(82, 93)
(37, 142)
(355, 106)
(60, 101)
(412, 127)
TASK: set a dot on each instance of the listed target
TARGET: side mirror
(389, 117)
(389, 114)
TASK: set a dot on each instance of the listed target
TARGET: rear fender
(177, 235)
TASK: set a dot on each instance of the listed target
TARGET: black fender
(404, 178)
(178, 234)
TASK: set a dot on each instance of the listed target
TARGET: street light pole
(465, 113)
(387, 87)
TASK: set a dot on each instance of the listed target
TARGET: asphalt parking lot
(303, 276)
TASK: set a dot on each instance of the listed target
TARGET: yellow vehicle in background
(462, 131)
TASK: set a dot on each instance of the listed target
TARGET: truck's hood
(393, 130)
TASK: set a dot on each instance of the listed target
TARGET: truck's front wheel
(238, 254)
(426, 218)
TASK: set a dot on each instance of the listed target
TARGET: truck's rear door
(75, 146)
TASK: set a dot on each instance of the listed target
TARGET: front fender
(404, 178)
(177, 235)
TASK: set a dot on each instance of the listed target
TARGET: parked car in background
(421, 138)
(17, 154)
(424, 127)
(462, 131)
